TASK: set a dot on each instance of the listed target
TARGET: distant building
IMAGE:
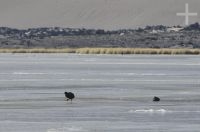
(156, 31)
(121, 34)
(174, 29)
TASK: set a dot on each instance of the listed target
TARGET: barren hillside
(104, 14)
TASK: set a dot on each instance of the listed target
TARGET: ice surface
(113, 93)
(150, 111)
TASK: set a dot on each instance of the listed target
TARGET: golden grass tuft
(151, 51)
(137, 51)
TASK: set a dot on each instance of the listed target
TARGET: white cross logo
(187, 14)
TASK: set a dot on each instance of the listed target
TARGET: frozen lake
(113, 93)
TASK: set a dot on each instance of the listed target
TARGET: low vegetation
(58, 38)
(106, 51)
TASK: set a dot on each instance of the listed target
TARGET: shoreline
(152, 51)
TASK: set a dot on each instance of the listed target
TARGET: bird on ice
(156, 99)
(69, 96)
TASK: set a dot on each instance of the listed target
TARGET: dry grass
(106, 51)
(137, 51)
